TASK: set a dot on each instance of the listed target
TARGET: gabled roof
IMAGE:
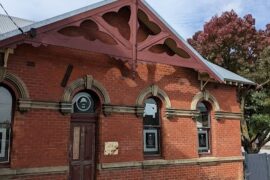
(219, 73)
(7, 25)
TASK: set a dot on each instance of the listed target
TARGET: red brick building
(111, 91)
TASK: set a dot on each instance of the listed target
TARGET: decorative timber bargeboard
(127, 30)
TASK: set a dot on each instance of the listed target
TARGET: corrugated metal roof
(7, 25)
(222, 73)
(56, 18)
(227, 75)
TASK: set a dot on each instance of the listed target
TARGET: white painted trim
(156, 140)
(3, 142)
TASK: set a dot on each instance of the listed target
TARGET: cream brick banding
(153, 163)
(33, 171)
(220, 115)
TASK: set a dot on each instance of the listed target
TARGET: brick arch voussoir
(153, 90)
(19, 88)
(205, 96)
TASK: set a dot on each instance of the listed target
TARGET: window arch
(154, 91)
(205, 96)
(6, 109)
(204, 126)
(152, 126)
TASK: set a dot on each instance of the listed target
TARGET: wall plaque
(111, 148)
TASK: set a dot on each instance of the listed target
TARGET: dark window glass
(203, 118)
(2, 56)
(203, 125)
(151, 122)
(5, 123)
(83, 103)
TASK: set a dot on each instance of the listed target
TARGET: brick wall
(40, 137)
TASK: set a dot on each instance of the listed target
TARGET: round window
(83, 103)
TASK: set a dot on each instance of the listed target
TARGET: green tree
(234, 43)
(257, 106)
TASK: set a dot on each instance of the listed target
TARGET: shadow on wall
(169, 78)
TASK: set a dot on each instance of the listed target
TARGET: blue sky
(186, 16)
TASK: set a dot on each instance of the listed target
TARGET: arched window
(6, 102)
(83, 102)
(151, 124)
(203, 126)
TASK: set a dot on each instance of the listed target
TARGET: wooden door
(82, 149)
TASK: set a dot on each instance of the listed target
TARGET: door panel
(87, 172)
(75, 172)
(88, 153)
(82, 151)
(76, 143)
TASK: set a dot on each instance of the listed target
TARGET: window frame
(156, 152)
(204, 129)
(13, 108)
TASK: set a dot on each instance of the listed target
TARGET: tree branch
(264, 137)
(260, 86)
(254, 138)
(243, 122)
(265, 141)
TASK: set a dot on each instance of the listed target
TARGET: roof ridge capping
(228, 76)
